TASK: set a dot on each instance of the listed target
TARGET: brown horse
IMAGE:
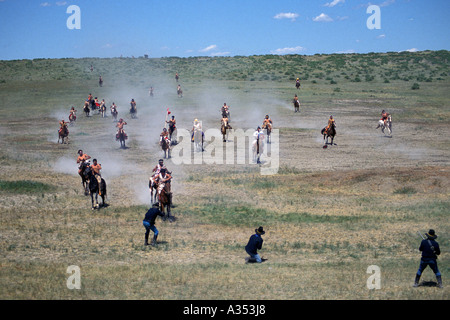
(164, 205)
(330, 133)
(63, 135)
(224, 129)
(165, 146)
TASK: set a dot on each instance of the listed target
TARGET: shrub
(415, 86)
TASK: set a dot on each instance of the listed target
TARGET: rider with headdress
(172, 123)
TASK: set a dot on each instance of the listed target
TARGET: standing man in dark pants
(430, 251)
(254, 244)
(149, 223)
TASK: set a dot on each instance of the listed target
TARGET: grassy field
(329, 213)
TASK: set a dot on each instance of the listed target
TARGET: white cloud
(412, 50)
(287, 15)
(107, 46)
(333, 3)
(381, 36)
(291, 50)
(322, 18)
(61, 3)
(45, 4)
(208, 48)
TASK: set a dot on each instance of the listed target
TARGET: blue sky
(112, 28)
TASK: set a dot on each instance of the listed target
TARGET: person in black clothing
(254, 244)
(430, 251)
(149, 223)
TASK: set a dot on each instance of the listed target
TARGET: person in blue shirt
(430, 251)
(254, 244)
(149, 223)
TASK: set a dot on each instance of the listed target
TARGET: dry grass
(328, 214)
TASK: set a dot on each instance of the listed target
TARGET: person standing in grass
(430, 251)
(254, 244)
(149, 223)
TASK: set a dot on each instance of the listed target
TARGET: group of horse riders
(83, 163)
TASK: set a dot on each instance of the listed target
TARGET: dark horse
(296, 105)
(330, 133)
(133, 111)
(164, 204)
(84, 174)
(121, 136)
(297, 84)
(86, 109)
(95, 189)
(171, 130)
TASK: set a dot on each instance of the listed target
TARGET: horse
(330, 133)
(296, 105)
(114, 114)
(165, 144)
(164, 204)
(103, 110)
(63, 135)
(83, 172)
(86, 109)
(385, 127)
(197, 138)
(224, 129)
(72, 118)
(121, 136)
(133, 111)
(268, 127)
(258, 148)
(153, 186)
(297, 84)
(95, 188)
(180, 93)
(172, 130)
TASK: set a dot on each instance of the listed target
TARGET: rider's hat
(161, 160)
(260, 231)
(196, 120)
(258, 128)
(431, 234)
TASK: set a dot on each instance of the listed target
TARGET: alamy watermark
(374, 281)
(74, 280)
(74, 20)
(374, 21)
(241, 147)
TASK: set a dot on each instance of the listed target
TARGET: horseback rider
(164, 135)
(72, 114)
(120, 125)
(164, 179)
(257, 133)
(150, 92)
(177, 76)
(172, 123)
(225, 122)
(296, 103)
(113, 108)
(133, 106)
(81, 159)
(196, 127)
(63, 126)
(384, 116)
(297, 83)
(331, 122)
(225, 109)
(267, 122)
(96, 167)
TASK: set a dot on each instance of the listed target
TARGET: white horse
(258, 148)
(385, 128)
